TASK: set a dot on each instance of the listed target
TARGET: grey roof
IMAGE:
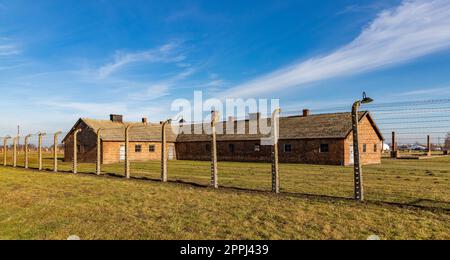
(321, 126)
(115, 131)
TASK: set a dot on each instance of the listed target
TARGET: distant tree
(447, 142)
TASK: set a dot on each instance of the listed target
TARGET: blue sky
(61, 60)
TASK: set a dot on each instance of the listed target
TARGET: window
(287, 148)
(138, 148)
(364, 148)
(324, 148)
(375, 148)
(257, 148)
(231, 148)
(151, 148)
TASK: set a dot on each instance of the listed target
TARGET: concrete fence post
(27, 138)
(15, 140)
(429, 148)
(55, 151)
(163, 150)
(214, 167)
(5, 150)
(75, 151)
(394, 152)
(275, 160)
(359, 193)
(99, 153)
(40, 135)
(127, 151)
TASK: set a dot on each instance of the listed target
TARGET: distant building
(311, 139)
(145, 141)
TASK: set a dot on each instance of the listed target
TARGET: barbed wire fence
(33, 151)
(420, 127)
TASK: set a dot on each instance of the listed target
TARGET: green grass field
(405, 200)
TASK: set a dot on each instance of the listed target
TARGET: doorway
(122, 153)
(171, 152)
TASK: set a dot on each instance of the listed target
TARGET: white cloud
(85, 108)
(357, 8)
(152, 92)
(68, 112)
(164, 54)
(424, 92)
(8, 48)
(412, 30)
(161, 89)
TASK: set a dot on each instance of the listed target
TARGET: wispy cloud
(161, 89)
(70, 111)
(356, 8)
(11, 67)
(8, 48)
(164, 54)
(424, 92)
(412, 30)
(93, 109)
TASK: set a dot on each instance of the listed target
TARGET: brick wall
(111, 151)
(368, 137)
(87, 141)
(302, 151)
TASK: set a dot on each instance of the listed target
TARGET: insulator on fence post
(27, 138)
(15, 151)
(163, 150)
(5, 150)
(359, 194)
(214, 167)
(429, 148)
(75, 151)
(99, 153)
(40, 135)
(394, 152)
(275, 160)
(55, 151)
(127, 158)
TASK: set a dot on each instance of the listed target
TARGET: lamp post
(359, 192)
(163, 150)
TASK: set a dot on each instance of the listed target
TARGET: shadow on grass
(414, 204)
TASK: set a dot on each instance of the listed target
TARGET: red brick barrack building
(310, 139)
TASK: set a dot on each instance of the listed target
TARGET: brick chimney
(116, 118)
(144, 120)
(306, 112)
